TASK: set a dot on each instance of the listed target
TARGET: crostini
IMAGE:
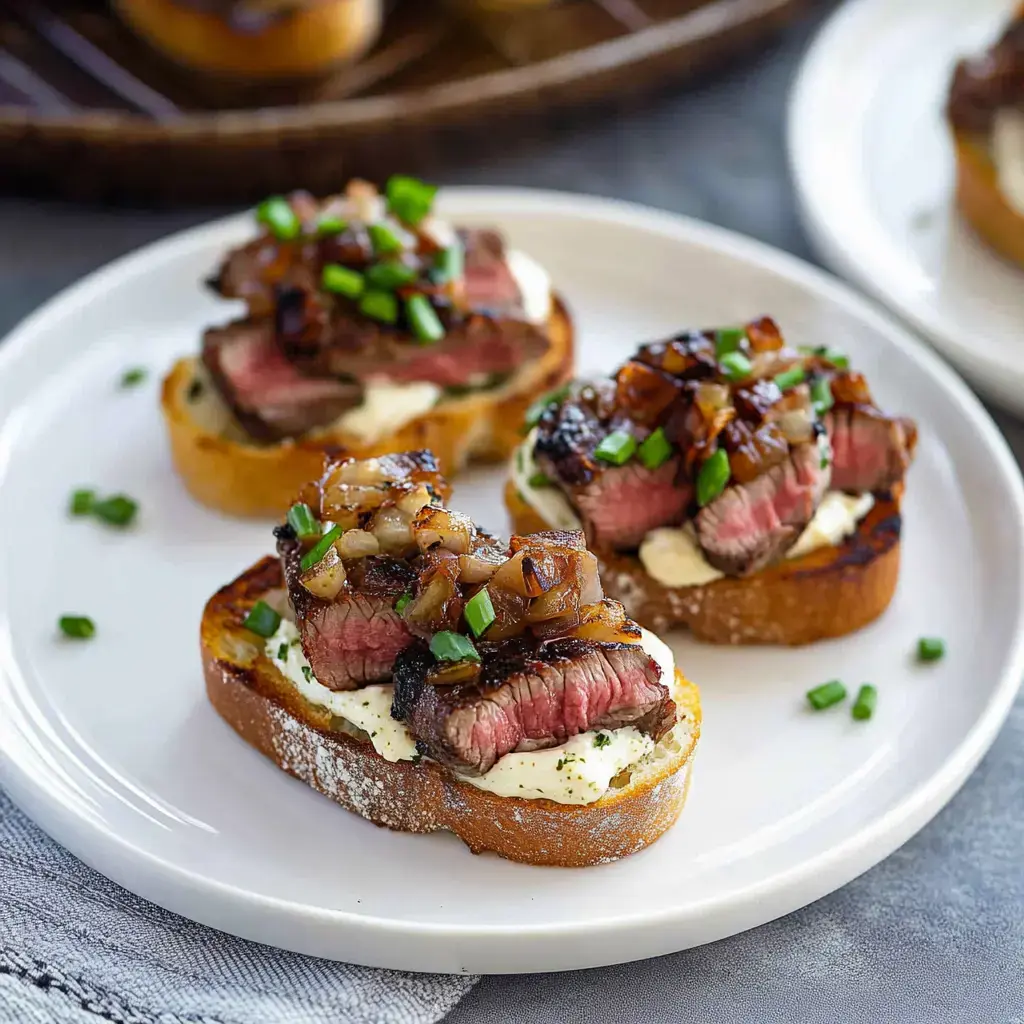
(427, 676)
(372, 326)
(986, 114)
(256, 39)
(727, 483)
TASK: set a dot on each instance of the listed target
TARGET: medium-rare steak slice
(749, 526)
(870, 452)
(618, 505)
(529, 696)
(354, 639)
(270, 398)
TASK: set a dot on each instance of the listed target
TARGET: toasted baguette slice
(307, 41)
(227, 472)
(825, 594)
(981, 200)
(338, 760)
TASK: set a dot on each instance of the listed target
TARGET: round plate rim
(848, 255)
(794, 887)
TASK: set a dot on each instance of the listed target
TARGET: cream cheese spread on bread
(1008, 155)
(577, 772)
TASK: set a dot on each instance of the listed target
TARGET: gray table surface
(936, 932)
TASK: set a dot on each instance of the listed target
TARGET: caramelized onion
(509, 613)
(510, 576)
(450, 673)
(442, 527)
(326, 578)
(851, 389)
(606, 622)
(764, 335)
(412, 501)
(357, 544)
(753, 450)
(393, 530)
(439, 604)
(643, 392)
(478, 567)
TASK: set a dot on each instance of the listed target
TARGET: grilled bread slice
(981, 200)
(338, 760)
(305, 40)
(827, 593)
(225, 470)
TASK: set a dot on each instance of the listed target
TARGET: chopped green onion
(77, 627)
(826, 695)
(136, 375)
(479, 612)
(409, 199)
(930, 648)
(790, 378)
(402, 602)
(837, 357)
(303, 522)
(864, 705)
(821, 395)
(320, 548)
(330, 226)
(342, 280)
(384, 240)
(541, 405)
(736, 365)
(712, 477)
(276, 214)
(539, 480)
(617, 448)
(449, 263)
(82, 502)
(262, 620)
(449, 646)
(380, 306)
(423, 319)
(728, 339)
(655, 449)
(117, 510)
(389, 275)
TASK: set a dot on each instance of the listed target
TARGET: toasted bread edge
(264, 709)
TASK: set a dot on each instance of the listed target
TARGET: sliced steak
(353, 640)
(750, 526)
(268, 395)
(870, 451)
(489, 283)
(530, 697)
(618, 505)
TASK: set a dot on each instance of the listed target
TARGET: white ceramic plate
(873, 163)
(110, 745)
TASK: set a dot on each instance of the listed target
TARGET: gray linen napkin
(76, 949)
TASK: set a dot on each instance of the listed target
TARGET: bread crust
(825, 594)
(248, 479)
(308, 41)
(252, 696)
(981, 201)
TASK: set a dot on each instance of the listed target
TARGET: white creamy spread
(369, 708)
(577, 772)
(534, 285)
(548, 501)
(672, 556)
(1008, 155)
(387, 407)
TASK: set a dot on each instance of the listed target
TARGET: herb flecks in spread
(363, 289)
(492, 648)
(731, 434)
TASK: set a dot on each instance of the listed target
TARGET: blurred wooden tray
(87, 111)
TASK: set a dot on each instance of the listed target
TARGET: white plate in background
(873, 164)
(112, 747)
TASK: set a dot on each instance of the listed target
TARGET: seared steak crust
(530, 696)
(741, 393)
